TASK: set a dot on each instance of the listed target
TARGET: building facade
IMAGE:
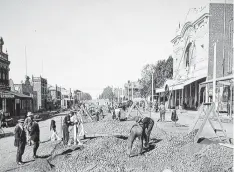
(54, 97)
(132, 90)
(26, 89)
(193, 54)
(40, 86)
(67, 98)
(4, 77)
(9, 100)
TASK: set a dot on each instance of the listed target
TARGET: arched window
(188, 54)
(3, 74)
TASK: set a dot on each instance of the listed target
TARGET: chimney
(1, 44)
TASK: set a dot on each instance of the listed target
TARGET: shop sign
(7, 96)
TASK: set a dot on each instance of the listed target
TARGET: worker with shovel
(136, 132)
(147, 124)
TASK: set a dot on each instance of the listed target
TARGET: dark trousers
(65, 135)
(147, 132)
(162, 116)
(20, 152)
(35, 147)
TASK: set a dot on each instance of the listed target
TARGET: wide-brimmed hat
(21, 121)
(137, 119)
(29, 114)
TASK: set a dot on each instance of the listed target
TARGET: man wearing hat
(162, 111)
(28, 125)
(35, 137)
(66, 123)
(20, 141)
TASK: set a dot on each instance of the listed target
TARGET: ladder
(207, 109)
(131, 108)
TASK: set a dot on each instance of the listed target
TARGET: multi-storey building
(193, 53)
(27, 89)
(4, 76)
(132, 90)
(67, 99)
(54, 94)
(40, 86)
(10, 101)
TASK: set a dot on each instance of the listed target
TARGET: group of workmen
(26, 131)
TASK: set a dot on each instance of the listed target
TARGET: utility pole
(132, 91)
(128, 91)
(214, 75)
(152, 99)
(152, 87)
(70, 98)
(118, 94)
(26, 63)
(224, 36)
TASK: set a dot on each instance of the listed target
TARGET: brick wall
(216, 28)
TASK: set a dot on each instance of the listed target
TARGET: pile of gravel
(167, 151)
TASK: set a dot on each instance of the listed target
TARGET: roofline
(187, 25)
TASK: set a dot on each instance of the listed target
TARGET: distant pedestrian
(3, 121)
(66, 123)
(162, 110)
(1, 118)
(196, 104)
(20, 141)
(28, 125)
(54, 135)
(174, 116)
(35, 137)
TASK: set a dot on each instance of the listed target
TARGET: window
(6, 76)
(188, 54)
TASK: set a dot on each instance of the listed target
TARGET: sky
(88, 44)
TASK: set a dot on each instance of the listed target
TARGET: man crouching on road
(136, 132)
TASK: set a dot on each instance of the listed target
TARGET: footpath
(186, 119)
(8, 150)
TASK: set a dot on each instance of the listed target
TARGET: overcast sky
(88, 44)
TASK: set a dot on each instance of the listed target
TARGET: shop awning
(12, 95)
(191, 80)
(177, 87)
(230, 77)
(160, 90)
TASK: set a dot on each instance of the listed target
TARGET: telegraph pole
(214, 75)
(26, 63)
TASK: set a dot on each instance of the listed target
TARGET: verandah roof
(10, 94)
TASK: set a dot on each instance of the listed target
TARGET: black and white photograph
(116, 86)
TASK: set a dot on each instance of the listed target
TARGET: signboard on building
(7, 96)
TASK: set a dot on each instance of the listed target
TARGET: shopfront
(15, 104)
